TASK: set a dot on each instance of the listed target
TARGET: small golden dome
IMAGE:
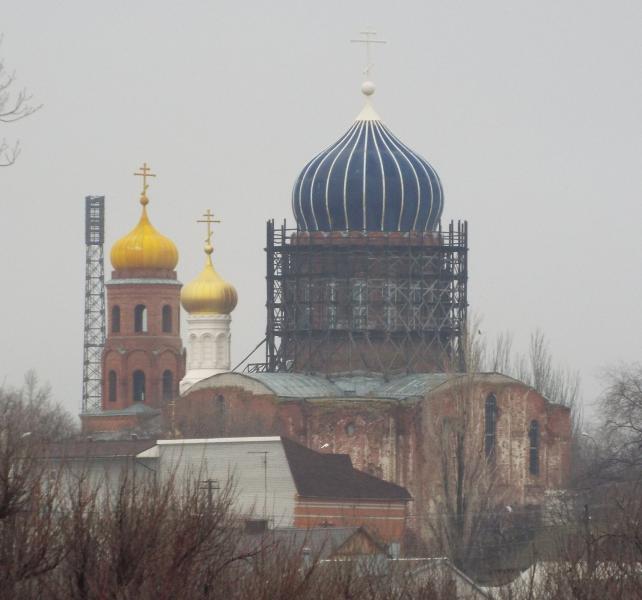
(144, 247)
(209, 293)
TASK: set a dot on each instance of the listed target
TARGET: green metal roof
(299, 385)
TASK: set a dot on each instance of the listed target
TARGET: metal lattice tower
(94, 338)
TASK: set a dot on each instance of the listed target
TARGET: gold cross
(209, 219)
(145, 173)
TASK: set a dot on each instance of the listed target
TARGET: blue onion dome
(368, 181)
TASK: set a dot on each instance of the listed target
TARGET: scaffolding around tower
(346, 302)
(94, 328)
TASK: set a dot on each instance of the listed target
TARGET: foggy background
(529, 112)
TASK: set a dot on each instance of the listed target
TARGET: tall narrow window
(390, 312)
(140, 318)
(303, 307)
(533, 457)
(168, 385)
(167, 319)
(138, 386)
(112, 384)
(359, 303)
(332, 304)
(490, 425)
(115, 319)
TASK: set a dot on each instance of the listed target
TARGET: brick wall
(386, 521)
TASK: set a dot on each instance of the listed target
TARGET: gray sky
(529, 111)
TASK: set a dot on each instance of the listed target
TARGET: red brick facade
(394, 439)
(385, 520)
(152, 346)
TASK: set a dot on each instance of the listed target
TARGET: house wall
(103, 475)
(385, 520)
(241, 464)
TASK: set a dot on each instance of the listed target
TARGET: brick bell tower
(143, 359)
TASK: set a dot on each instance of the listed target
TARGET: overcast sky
(529, 111)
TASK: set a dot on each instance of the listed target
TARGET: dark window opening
(350, 428)
(140, 318)
(112, 384)
(139, 386)
(168, 385)
(115, 319)
(490, 425)
(167, 319)
(533, 458)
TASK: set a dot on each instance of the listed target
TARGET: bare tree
(465, 495)
(621, 408)
(536, 368)
(15, 104)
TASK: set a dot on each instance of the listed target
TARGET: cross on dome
(368, 38)
(210, 220)
(145, 172)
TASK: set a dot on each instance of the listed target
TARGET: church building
(365, 334)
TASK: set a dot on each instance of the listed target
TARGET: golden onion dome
(144, 247)
(208, 293)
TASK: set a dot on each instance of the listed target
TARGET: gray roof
(138, 408)
(298, 385)
(409, 386)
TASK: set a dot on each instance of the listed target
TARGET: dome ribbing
(368, 181)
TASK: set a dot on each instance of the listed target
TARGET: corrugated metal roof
(297, 385)
(410, 386)
(96, 449)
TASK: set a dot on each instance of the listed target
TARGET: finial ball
(208, 248)
(367, 88)
(144, 200)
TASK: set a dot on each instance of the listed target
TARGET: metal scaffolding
(385, 302)
(94, 331)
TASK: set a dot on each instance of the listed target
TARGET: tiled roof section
(78, 449)
(318, 475)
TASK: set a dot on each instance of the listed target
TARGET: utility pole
(211, 485)
(264, 461)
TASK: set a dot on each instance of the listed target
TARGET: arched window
(115, 319)
(138, 386)
(112, 384)
(490, 425)
(140, 318)
(533, 457)
(168, 385)
(167, 319)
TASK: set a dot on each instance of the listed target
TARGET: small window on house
(167, 319)
(350, 428)
(112, 384)
(168, 385)
(533, 458)
(138, 386)
(490, 425)
(115, 319)
(140, 318)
